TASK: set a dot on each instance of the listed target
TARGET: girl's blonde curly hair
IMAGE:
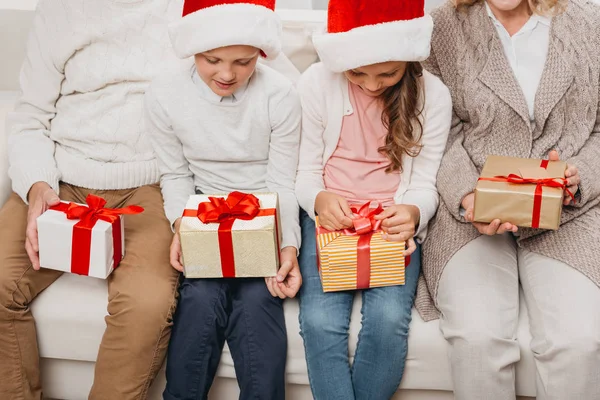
(539, 7)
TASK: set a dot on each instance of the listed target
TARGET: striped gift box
(338, 261)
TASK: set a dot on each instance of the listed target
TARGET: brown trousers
(141, 300)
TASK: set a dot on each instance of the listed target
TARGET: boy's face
(226, 69)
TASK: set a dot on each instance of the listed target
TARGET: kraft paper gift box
(525, 192)
(231, 236)
(83, 239)
(359, 258)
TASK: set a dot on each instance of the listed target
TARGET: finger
(277, 289)
(400, 237)
(342, 220)
(175, 259)
(330, 224)
(345, 208)
(386, 213)
(493, 227)
(410, 248)
(32, 235)
(571, 171)
(505, 227)
(399, 228)
(469, 214)
(269, 283)
(33, 255)
(553, 156)
(284, 270)
(290, 290)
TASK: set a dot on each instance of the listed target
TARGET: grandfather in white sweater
(77, 129)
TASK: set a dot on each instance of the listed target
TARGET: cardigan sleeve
(458, 174)
(437, 114)
(588, 164)
(309, 181)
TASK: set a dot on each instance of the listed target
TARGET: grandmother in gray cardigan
(524, 78)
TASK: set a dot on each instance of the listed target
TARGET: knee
(148, 306)
(388, 322)
(582, 347)
(319, 322)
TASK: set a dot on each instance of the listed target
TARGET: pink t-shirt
(356, 169)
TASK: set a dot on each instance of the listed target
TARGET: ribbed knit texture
(491, 117)
(79, 119)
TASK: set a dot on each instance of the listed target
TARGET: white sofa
(70, 313)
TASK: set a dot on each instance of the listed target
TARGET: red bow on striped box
(359, 257)
(84, 239)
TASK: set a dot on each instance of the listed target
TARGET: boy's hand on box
(333, 211)
(572, 175)
(175, 253)
(496, 227)
(41, 197)
(288, 280)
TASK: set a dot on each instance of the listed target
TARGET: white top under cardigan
(218, 145)
(526, 52)
(325, 102)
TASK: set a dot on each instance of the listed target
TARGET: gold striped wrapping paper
(337, 254)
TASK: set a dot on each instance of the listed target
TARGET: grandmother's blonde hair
(539, 7)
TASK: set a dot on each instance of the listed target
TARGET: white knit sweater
(217, 146)
(79, 119)
(325, 102)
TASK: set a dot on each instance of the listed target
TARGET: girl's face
(226, 69)
(506, 5)
(376, 78)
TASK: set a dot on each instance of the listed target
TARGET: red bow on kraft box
(359, 254)
(225, 211)
(88, 215)
(532, 198)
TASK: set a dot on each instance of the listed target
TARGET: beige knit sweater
(491, 117)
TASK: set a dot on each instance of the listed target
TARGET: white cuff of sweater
(24, 180)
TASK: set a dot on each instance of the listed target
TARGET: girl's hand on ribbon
(288, 281)
(399, 222)
(572, 175)
(333, 211)
(41, 197)
(175, 252)
(496, 227)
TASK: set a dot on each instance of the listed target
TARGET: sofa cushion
(7, 100)
(69, 317)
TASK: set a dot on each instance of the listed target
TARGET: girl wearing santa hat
(374, 128)
(228, 124)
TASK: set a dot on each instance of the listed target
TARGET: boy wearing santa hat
(228, 124)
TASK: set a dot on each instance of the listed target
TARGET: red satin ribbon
(539, 189)
(364, 226)
(237, 205)
(82, 231)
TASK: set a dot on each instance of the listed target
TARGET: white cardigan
(325, 102)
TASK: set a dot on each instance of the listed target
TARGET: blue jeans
(241, 311)
(325, 320)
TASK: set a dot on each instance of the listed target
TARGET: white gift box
(55, 236)
(255, 242)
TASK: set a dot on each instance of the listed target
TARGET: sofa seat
(70, 322)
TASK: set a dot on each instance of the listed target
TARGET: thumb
(553, 156)
(52, 198)
(284, 270)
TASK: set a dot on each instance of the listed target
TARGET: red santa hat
(365, 32)
(210, 24)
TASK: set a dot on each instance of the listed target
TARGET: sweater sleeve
(283, 162)
(458, 174)
(437, 115)
(309, 182)
(176, 179)
(588, 165)
(30, 147)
